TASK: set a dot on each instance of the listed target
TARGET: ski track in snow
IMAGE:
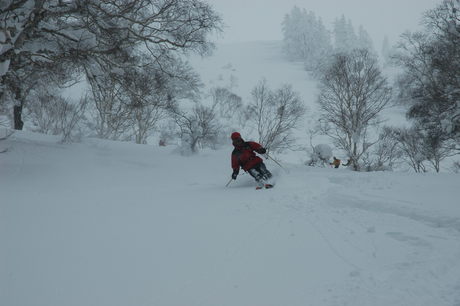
(73, 221)
(336, 218)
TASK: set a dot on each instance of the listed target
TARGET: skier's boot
(260, 184)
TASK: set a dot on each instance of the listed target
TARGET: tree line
(131, 55)
(130, 52)
(353, 90)
(307, 39)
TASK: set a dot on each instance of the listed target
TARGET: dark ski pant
(260, 172)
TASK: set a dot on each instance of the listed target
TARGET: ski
(266, 186)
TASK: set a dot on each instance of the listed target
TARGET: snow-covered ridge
(108, 223)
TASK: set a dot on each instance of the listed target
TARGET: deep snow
(107, 223)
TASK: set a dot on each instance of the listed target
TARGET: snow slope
(241, 66)
(107, 224)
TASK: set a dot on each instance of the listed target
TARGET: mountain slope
(242, 65)
(107, 223)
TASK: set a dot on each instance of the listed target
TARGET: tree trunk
(355, 157)
(18, 123)
(17, 110)
(193, 145)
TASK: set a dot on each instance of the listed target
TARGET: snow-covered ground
(105, 223)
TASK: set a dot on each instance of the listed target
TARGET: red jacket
(243, 156)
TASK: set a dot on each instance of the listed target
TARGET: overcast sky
(251, 20)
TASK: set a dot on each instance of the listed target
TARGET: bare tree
(153, 91)
(198, 127)
(386, 153)
(436, 149)
(353, 92)
(110, 117)
(148, 100)
(412, 145)
(229, 109)
(53, 114)
(44, 113)
(227, 103)
(70, 117)
(275, 115)
(417, 148)
(131, 99)
(456, 167)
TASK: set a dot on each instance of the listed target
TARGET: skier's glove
(234, 175)
(262, 151)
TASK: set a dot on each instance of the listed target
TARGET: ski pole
(268, 156)
(229, 182)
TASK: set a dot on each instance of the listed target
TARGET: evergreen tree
(341, 35)
(352, 38)
(364, 39)
(305, 37)
(346, 39)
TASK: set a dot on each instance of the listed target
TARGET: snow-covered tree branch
(39, 34)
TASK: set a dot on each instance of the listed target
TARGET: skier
(243, 156)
